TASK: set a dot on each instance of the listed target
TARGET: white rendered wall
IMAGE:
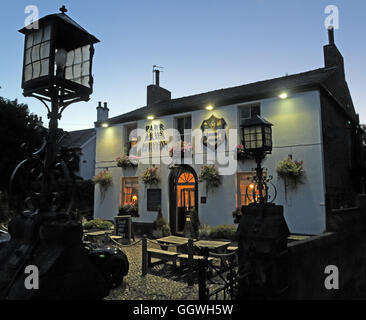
(296, 131)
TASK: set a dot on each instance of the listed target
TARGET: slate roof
(75, 139)
(248, 92)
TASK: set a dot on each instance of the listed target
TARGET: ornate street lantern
(57, 70)
(59, 54)
(257, 141)
(257, 136)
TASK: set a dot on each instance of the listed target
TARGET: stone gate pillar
(262, 240)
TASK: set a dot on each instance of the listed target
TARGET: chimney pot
(331, 35)
(102, 113)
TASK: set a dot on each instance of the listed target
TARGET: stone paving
(157, 286)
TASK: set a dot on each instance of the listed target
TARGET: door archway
(183, 186)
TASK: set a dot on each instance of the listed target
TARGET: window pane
(77, 53)
(245, 112)
(29, 40)
(70, 58)
(44, 67)
(68, 73)
(47, 33)
(85, 69)
(86, 52)
(38, 36)
(35, 53)
(28, 72)
(36, 69)
(188, 123)
(180, 125)
(28, 56)
(77, 70)
(45, 50)
(85, 81)
(129, 191)
(255, 110)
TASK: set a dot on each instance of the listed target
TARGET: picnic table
(218, 246)
(172, 240)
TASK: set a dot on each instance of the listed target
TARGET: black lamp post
(257, 141)
(57, 70)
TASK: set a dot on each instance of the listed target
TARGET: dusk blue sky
(203, 45)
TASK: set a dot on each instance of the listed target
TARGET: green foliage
(17, 126)
(103, 178)
(210, 175)
(150, 176)
(204, 231)
(195, 223)
(223, 231)
(289, 168)
(84, 195)
(129, 209)
(160, 226)
(97, 223)
(127, 161)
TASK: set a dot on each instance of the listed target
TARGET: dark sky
(203, 45)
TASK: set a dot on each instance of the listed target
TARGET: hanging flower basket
(104, 179)
(210, 175)
(150, 176)
(290, 171)
(127, 161)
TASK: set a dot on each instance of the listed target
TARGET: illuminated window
(245, 188)
(129, 190)
(186, 190)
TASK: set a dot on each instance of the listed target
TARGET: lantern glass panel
(78, 65)
(37, 53)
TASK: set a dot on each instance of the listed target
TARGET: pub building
(313, 123)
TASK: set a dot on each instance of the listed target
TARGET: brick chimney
(332, 56)
(102, 112)
(155, 93)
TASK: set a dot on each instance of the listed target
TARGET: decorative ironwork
(220, 283)
(252, 191)
(44, 181)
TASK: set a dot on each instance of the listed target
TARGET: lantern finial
(63, 9)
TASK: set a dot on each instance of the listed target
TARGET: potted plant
(126, 161)
(104, 179)
(150, 176)
(210, 175)
(160, 226)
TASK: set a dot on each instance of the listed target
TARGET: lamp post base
(55, 249)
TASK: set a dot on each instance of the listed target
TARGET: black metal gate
(218, 282)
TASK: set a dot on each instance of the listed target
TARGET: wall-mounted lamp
(105, 125)
(209, 107)
(150, 117)
(283, 95)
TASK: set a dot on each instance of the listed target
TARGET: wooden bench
(184, 257)
(163, 255)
